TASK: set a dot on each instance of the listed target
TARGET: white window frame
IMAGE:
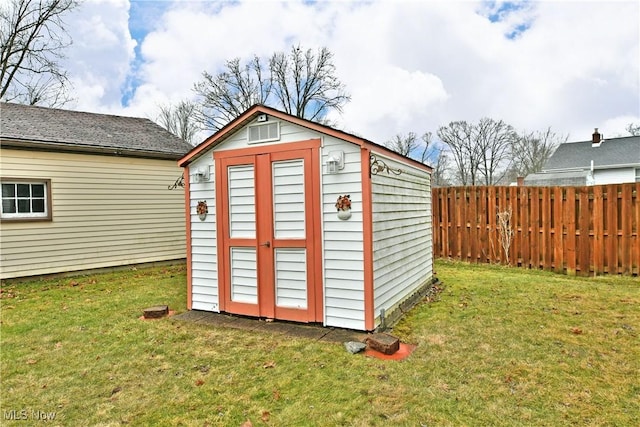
(27, 216)
(258, 141)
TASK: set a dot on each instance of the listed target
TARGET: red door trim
(315, 265)
(220, 213)
(264, 219)
(187, 216)
(367, 229)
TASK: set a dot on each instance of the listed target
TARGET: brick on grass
(384, 343)
(156, 312)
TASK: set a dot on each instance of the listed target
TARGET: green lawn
(498, 346)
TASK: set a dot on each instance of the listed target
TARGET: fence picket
(582, 232)
(598, 229)
(558, 230)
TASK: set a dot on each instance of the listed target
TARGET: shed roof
(52, 129)
(252, 112)
(610, 153)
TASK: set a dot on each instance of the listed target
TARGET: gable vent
(264, 132)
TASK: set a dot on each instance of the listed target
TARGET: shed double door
(269, 247)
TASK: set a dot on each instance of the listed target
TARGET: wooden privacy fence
(573, 230)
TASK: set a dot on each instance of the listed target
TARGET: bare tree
(408, 145)
(424, 150)
(493, 141)
(229, 93)
(180, 120)
(458, 136)
(633, 129)
(530, 151)
(33, 38)
(305, 84)
(440, 174)
(301, 83)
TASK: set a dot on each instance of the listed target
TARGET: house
(596, 162)
(82, 191)
(265, 237)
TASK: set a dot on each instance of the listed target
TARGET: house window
(26, 199)
(264, 132)
(637, 174)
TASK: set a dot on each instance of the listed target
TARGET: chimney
(595, 137)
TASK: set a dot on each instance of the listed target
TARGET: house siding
(107, 211)
(204, 248)
(343, 240)
(402, 234)
(614, 176)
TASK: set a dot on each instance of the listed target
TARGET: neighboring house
(83, 191)
(596, 162)
(265, 238)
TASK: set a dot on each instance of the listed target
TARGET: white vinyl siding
(107, 212)
(204, 251)
(288, 199)
(614, 176)
(343, 240)
(242, 202)
(291, 277)
(402, 236)
(244, 280)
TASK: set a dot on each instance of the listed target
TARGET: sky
(409, 66)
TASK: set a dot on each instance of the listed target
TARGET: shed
(83, 191)
(264, 235)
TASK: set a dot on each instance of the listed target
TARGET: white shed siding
(343, 240)
(107, 212)
(204, 253)
(402, 236)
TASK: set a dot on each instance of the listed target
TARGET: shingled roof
(610, 153)
(23, 126)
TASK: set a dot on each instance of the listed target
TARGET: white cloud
(101, 54)
(409, 66)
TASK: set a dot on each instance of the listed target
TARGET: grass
(498, 346)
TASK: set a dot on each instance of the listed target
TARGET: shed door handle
(266, 244)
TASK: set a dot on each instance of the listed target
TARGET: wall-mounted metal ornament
(378, 165)
(179, 183)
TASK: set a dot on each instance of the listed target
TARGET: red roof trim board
(254, 111)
